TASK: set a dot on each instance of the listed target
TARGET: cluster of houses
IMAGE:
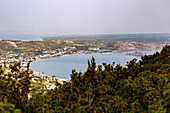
(13, 58)
(89, 50)
(46, 80)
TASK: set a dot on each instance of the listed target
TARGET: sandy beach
(40, 59)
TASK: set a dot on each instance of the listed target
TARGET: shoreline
(69, 55)
(40, 59)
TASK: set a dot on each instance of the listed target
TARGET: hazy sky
(85, 16)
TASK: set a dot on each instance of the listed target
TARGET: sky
(86, 16)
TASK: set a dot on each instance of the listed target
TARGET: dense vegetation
(138, 87)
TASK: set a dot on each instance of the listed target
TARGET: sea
(61, 67)
(24, 36)
(20, 36)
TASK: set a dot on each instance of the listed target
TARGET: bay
(62, 66)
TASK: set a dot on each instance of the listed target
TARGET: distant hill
(36, 47)
(163, 38)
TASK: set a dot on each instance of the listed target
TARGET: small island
(138, 53)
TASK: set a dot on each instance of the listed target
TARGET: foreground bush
(6, 107)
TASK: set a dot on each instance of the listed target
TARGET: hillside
(142, 86)
(32, 47)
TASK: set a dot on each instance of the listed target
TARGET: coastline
(61, 79)
(40, 59)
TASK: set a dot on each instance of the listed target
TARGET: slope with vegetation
(142, 86)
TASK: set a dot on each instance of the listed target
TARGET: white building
(93, 48)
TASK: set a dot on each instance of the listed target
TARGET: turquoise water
(61, 67)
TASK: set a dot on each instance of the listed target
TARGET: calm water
(23, 37)
(61, 67)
